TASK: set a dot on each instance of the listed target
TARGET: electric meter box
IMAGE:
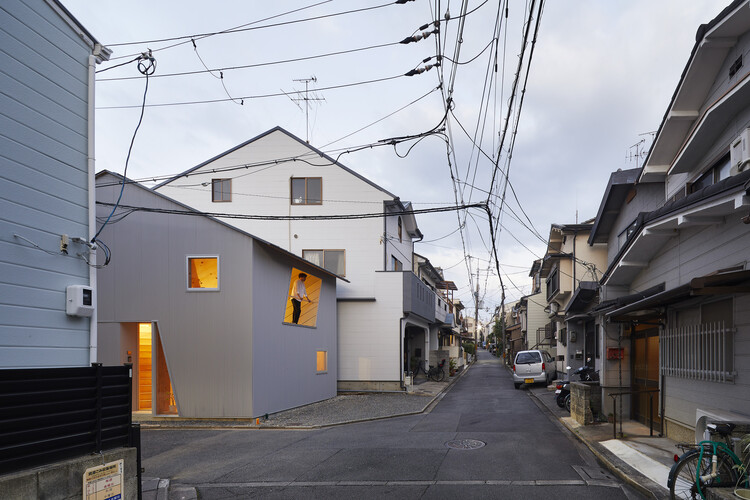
(79, 300)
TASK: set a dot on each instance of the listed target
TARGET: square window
(203, 273)
(321, 361)
(221, 190)
(307, 191)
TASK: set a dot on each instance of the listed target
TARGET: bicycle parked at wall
(436, 373)
(708, 464)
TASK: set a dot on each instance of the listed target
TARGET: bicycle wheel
(440, 375)
(683, 477)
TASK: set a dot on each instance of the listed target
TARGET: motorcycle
(562, 390)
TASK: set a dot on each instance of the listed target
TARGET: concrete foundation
(358, 385)
(64, 480)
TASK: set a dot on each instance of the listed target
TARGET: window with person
(303, 299)
(307, 191)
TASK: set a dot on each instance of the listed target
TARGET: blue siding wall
(43, 185)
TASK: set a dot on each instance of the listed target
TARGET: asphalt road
(523, 453)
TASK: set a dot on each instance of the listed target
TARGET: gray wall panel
(295, 345)
(43, 184)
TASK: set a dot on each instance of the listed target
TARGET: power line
(218, 215)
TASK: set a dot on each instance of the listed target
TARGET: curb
(621, 469)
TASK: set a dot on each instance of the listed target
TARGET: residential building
(571, 269)
(539, 330)
(202, 311)
(441, 330)
(688, 342)
(46, 193)
(311, 205)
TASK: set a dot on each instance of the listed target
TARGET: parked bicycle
(708, 464)
(436, 373)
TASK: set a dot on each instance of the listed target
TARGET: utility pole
(476, 309)
(307, 100)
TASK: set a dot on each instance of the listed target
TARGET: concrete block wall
(585, 402)
(64, 480)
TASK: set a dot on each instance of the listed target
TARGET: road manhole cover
(465, 444)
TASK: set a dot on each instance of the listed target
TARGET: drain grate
(465, 444)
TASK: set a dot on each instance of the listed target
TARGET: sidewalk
(637, 457)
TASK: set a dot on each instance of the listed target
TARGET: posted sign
(104, 482)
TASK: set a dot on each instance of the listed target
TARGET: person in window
(299, 293)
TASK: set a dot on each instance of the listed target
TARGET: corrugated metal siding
(43, 185)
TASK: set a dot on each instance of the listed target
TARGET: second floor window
(396, 264)
(221, 189)
(307, 191)
(331, 260)
(553, 283)
(718, 171)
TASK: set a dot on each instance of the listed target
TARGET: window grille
(700, 352)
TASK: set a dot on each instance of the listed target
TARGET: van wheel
(517, 386)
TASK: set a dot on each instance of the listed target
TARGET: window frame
(396, 265)
(554, 275)
(188, 258)
(306, 197)
(712, 174)
(343, 253)
(222, 181)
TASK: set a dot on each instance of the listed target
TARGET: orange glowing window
(203, 273)
(322, 361)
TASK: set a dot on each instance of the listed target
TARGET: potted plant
(452, 367)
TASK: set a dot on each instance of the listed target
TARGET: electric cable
(147, 66)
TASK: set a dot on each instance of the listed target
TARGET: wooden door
(645, 373)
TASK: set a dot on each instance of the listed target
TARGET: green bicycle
(709, 464)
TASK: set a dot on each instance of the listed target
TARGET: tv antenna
(307, 99)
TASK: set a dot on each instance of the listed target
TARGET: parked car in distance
(531, 367)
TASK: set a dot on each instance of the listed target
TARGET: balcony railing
(419, 299)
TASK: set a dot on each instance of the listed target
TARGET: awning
(712, 284)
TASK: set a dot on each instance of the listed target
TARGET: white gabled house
(309, 204)
(678, 283)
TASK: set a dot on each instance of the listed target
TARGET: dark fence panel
(51, 414)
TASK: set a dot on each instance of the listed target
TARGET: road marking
(489, 482)
(647, 466)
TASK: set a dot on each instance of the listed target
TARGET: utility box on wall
(79, 300)
(615, 353)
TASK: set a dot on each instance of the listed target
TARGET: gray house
(47, 65)
(203, 311)
(678, 274)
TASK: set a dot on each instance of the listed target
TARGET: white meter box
(79, 300)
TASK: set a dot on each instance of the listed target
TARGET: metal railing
(614, 397)
(699, 352)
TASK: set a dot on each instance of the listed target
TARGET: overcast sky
(601, 78)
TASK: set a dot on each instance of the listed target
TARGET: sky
(595, 85)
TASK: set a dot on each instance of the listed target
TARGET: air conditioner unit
(740, 152)
(705, 416)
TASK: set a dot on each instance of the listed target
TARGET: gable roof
(194, 212)
(618, 187)
(291, 136)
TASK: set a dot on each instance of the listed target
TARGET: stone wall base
(64, 480)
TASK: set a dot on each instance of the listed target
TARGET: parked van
(531, 367)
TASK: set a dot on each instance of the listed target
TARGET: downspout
(385, 237)
(93, 336)
(402, 335)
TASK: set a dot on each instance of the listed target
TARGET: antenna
(307, 100)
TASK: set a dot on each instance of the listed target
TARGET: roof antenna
(307, 98)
